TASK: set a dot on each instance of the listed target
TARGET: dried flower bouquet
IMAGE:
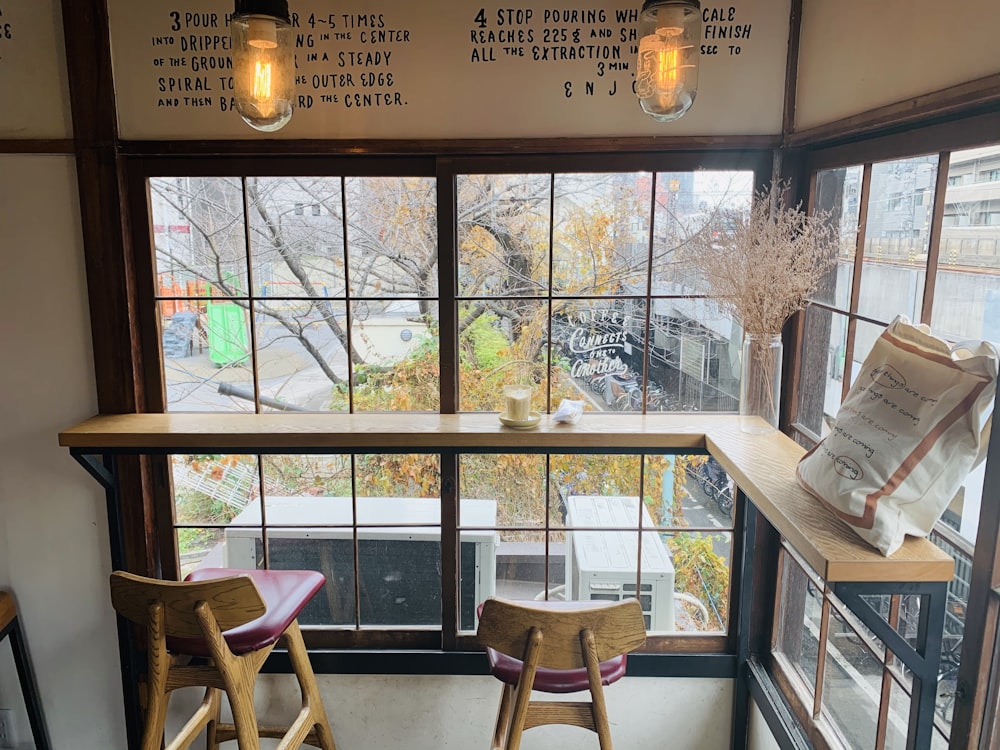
(761, 266)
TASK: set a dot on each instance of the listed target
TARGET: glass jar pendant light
(666, 78)
(263, 63)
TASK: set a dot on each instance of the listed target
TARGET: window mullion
(859, 262)
(250, 296)
(451, 572)
(934, 241)
(348, 307)
(447, 231)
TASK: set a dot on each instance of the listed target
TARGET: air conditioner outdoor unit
(601, 565)
(399, 566)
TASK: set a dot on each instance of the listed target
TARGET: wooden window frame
(157, 519)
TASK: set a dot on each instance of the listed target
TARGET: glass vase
(760, 383)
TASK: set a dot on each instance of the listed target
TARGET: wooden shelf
(762, 465)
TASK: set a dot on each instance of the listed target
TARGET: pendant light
(666, 78)
(263, 63)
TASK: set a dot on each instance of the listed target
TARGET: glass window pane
(695, 357)
(897, 234)
(503, 235)
(967, 290)
(199, 236)
(213, 491)
(851, 685)
(702, 575)
(600, 233)
(392, 238)
(398, 475)
(686, 203)
(695, 490)
(198, 547)
(301, 359)
(838, 191)
(521, 570)
(207, 364)
(397, 360)
(296, 253)
(821, 373)
(593, 476)
(865, 335)
(502, 343)
(798, 625)
(516, 481)
(594, 341)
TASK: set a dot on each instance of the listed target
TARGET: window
(955, 287)
(572, 281)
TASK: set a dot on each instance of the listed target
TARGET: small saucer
(521, 424)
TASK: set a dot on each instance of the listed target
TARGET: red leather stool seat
(508, 669)
(285, 593)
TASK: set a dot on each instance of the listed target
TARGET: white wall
(33, 85)
(856, 55)
(53, 538)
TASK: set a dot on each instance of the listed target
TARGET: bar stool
(10, 627)
(231, 620)
(556, 647)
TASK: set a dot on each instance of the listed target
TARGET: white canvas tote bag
(914, 423)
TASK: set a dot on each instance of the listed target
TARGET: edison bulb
(666, 79)
(263, 70)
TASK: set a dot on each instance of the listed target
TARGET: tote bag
(913, 425)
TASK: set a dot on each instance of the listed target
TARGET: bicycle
(947, 681)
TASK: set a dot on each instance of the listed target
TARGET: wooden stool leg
(598, 705)
(601, 725)
(522, 701)
(502, 730)
(239, 675)
(214, 696)
(313, 714)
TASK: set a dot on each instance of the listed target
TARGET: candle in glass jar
(517, 401)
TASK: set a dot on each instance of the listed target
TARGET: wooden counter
(763, 466)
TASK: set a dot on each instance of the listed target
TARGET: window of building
(574, 282)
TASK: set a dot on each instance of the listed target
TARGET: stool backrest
(234, 601)
(507, 627)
